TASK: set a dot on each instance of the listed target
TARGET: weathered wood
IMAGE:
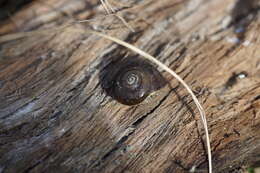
(55, 116)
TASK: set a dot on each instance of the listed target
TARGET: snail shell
(133, 80)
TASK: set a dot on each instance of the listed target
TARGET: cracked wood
(55, 116)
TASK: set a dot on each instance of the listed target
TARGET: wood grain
(55, 116)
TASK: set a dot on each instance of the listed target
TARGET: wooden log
(56, 117)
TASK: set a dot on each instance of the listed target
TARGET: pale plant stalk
(110, 6)
(140, 52)
(20, 35)
(105, 6)
(164, 67)
(110, 10)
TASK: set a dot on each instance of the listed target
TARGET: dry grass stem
(138, 51)
(110, 10)
(164, 67)
(20, 35)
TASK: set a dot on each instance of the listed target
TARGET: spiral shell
(132, 80)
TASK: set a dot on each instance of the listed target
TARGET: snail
(132, 80)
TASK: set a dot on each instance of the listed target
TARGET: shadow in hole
(9, 7)
(130, 80)
(243, 13)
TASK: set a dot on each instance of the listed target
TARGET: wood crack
(120, 143)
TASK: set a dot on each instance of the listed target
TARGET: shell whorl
(132, 80)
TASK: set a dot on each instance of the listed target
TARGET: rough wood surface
(55, 116)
